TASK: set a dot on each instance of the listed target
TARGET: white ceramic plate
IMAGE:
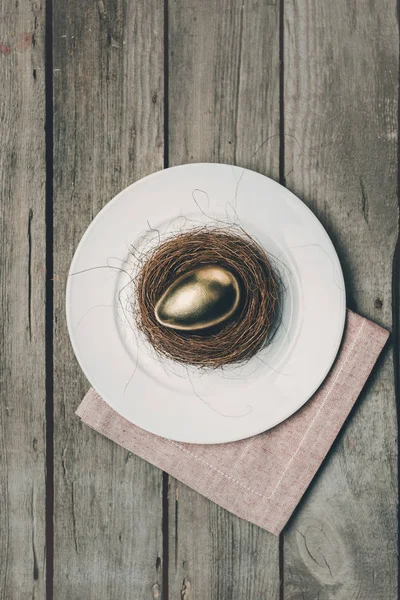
(164, 397)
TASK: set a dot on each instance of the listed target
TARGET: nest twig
(237, 339)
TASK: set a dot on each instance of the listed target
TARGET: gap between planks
(49, 313)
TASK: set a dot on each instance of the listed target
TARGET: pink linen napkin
(260, 479)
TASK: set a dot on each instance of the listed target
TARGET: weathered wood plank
(224, 103)
(108, 132)
(22, 293)
(341, 88)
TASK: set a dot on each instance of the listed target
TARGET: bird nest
(238, 338)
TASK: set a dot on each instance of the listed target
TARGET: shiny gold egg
(199, 299)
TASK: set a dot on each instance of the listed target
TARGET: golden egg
(201, 298)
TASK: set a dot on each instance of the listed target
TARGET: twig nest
(207, 297)
(200, 299)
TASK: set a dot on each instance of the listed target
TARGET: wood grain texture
(224, 107)
(108, 132)
(224, 83)
(22, 292)
(341, 86)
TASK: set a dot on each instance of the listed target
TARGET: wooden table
(95, 95)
